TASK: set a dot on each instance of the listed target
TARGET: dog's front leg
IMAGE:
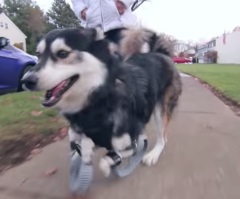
(112, 158)
(86, 145)
(74, 138)
(122, 148)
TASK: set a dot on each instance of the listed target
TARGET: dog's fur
(112, 100)
(127, 42)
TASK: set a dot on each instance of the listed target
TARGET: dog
(107, 99)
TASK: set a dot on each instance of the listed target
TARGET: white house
(201, 53)
(203, 49)
(9, 30)
(228, 48)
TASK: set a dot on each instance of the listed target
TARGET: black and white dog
(107, 99)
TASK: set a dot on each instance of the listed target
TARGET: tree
(28, 16)
(190, 43)
(212, 56)
(36, 20)
(17, 11)
(1, 8)
(61, 16)
(37, 25)
(195, 47)
(181, 54)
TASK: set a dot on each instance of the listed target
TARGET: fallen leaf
(34, 97)
(56, 139)
(50, 172)
(208, 126)
(54, 119)
(36, 151)
(29, 157)
(63, 132)
(25, 180)
(37, 146)
(36, 113)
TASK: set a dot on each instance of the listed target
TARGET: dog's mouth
(53, 95)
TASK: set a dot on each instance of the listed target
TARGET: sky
(187, 20)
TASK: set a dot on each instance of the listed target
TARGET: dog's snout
(29, 81)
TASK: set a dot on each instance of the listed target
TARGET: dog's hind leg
(162, 115)
(151, 157)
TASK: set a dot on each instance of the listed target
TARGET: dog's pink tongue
(58, 88)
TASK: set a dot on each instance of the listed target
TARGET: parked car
(181, 60)
(14, 63)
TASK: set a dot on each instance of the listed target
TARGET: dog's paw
(105, 167)
(152, 157)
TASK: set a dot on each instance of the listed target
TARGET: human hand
(120, 7)
(83, 13)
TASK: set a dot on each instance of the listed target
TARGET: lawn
(24, 123)
(224, 78)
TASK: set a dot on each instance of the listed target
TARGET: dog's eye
(62, 54)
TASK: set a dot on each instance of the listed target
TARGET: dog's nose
(29, 80)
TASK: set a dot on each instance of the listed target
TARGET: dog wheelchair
(81, 174)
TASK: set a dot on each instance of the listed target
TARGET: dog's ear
(100, 49)
(93, 33)
(89, 33)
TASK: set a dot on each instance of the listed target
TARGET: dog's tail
(160, 43)
(141, 40)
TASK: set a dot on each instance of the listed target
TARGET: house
(226, 46)
(190, 52)
(204, 49)
(200, 55)
(9, 30)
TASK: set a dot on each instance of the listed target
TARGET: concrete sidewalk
(200, 161)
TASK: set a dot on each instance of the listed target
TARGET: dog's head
(71, 65)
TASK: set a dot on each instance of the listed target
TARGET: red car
(181, 60)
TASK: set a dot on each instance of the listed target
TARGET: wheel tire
(24, 71)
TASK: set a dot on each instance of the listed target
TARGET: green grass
(224, 78)
(24, 124)
(21, 115)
